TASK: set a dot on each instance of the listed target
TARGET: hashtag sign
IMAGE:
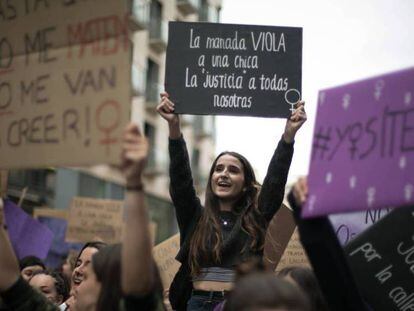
(363, 146)
(321, 143)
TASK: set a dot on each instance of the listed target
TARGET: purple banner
(27, 235)
(363, 146)
(59, 249)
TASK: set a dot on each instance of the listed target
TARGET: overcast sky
(343, 41)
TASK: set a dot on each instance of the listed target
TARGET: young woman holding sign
(231, 226)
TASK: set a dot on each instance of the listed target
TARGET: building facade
(55, 187)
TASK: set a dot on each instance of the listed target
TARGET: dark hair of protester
(260, 291)
(106, 265)
(93, 244)
(29, 265)
(83, 259)
(31, 261)
(61, 285)
(305, 278)
(208, 231)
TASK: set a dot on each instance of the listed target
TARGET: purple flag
(27, 235)
(59, 248)
(363, 146)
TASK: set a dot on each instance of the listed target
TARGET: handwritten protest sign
(294, 254)
(64, 82)
(164, 255)
(278, 235)
(92, 219)
(27, 235)
(350, 225)
(363, 146)
(233, 69)
(382, 260)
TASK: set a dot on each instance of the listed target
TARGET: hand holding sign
(166, 110)
(134, 155)
(300, 191)
(294, 123)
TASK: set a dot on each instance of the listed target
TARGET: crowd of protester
(221, 244)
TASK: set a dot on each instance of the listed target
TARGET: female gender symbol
(108, 128)
(292, 104)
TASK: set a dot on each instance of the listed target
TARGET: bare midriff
(213, 286)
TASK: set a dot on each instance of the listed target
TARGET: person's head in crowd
(100, 288)
(52, 285)
(101, 285)
(69, 265)
(266, 292)
(83, 260)
(306, 280)
(29, 265)
(231, 187)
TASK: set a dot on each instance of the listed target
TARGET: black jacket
(189, 210)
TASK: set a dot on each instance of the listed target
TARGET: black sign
(234, 69)
(382, 260)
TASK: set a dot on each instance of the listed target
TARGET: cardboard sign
(164, 255)
(382, 259)
(229, 69)
(278, 234)
(64, 82)
(294, 254)
(350, 225)
(153, 231)
(92, 219)
(363, 140)
(28, 236)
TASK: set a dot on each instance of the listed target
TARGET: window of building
(91, 187)
(39, 184)
(203, 15)
(115, 191)
(152, 89)
(155, 19)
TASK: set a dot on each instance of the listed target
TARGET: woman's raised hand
(300, 191)
(295, 121)
(134, 155)
(166, 109)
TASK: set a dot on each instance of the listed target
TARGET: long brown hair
(207, 240)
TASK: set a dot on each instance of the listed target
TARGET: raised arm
(166, 110)
(325, 255)
(16, 293)
(182, 191)
(273, 189)
(137, 263)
